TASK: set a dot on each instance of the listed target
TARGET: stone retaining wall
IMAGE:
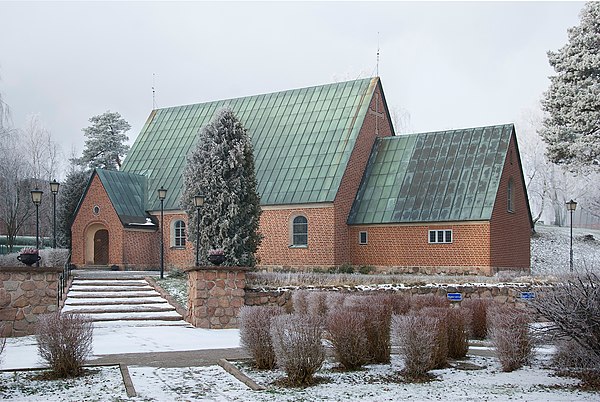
(25, 293)
(216, 295)
(501, 293)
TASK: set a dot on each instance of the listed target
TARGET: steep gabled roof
(127, 193)
(433, 177)
(302, 141)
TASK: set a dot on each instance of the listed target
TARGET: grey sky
(449, 65)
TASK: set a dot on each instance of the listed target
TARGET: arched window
(178, 234)
(300, 231)
(510, 194)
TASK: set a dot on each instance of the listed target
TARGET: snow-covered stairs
(120, 300)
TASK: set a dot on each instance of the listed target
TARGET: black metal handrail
(63, 280)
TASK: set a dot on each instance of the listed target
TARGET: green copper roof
(127, 194)
(302, 141)
(433, 177)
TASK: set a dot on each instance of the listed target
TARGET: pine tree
(105, 147)
(222, 168)
(69, 194)
(572, 128)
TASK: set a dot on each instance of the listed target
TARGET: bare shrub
(440, 332)
(571, 358)
(509, 332)
(255, 324)
(300, 301)
(573, 308)
(399, 303)
(422, 301)
(346, 329)
(298, 347)
(335, 300)
(316, 303)
(378, 316)
(64, 342)
(478, 322)
(458, 328)
(416, 343)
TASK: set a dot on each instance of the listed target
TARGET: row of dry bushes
(362, 328)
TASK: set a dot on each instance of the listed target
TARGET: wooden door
(101, 247)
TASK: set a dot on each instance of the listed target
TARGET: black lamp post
(198, 202)
(54, 188)
(162, 194)
(571, 206)
(36, 197)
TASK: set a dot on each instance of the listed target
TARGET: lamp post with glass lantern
(198, 202)
(54, 189)
(571, 206)
(162, 194)
(36, 197)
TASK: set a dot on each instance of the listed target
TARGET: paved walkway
(188, 358)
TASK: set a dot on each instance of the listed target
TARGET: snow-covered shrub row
(50, 257)
(255, 324)
(508, 329)
(298, 348)
(64, 341)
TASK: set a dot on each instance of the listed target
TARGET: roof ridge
(267, 93)
(453, 130)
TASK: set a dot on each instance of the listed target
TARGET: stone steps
(120, 300)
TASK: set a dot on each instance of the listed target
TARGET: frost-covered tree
(105, 145)
(68, 198)
(222, 168)
(572, 128)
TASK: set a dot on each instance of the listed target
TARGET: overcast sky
(449, 65)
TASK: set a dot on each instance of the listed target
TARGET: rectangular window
(440, 236)
(362, 238)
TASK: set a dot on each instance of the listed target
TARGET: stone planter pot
(29, 259)
(216, 259)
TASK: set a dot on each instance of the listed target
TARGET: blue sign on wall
(454, 296)
(527, 295)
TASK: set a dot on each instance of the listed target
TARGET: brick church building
(336, 185)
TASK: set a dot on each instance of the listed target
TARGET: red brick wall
(107, 217)
(376, 124)
(275, 250)
(176, 256)
(511, 231)
(406, 248)
(141, 249)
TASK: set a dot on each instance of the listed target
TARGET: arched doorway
(101, 247)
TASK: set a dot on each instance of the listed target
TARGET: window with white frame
(300, 231)
(178, 237)
(362, 237)
(440, 236)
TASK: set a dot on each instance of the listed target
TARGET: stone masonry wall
(216, 295)
(26, 293)
(499, 293)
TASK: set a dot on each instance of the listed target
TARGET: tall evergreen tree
(105, 146)
(222, 168)
(572, 128)
(68, 198)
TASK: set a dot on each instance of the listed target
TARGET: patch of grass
(176, 286)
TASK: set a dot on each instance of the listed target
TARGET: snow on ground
(374, 383)
(550, 250)
(113, 339)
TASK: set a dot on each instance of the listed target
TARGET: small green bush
(366, 269)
